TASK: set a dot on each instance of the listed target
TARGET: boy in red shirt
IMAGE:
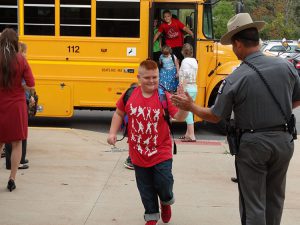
(173, 31)
(150, 144)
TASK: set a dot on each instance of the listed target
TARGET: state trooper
(266, 146)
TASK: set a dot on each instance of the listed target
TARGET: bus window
(185, 13)
(75, 17)
(39, 17)
(207, 22)
(8, 14)
(118, 18)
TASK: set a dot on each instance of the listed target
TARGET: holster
(233, 137)
(291, 125)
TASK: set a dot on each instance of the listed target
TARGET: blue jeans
(153, 182)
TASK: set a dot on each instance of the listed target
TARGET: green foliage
(282, 17)
(222, 12)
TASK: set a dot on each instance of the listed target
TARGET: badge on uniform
(220, 91)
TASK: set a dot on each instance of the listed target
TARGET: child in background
(173, 30)
(188, 79)
(157, 43)
(23, 48)
(150, 144)
(168, 74)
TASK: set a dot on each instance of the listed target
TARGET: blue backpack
(164, 103)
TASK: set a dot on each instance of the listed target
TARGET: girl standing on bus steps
(169, 67)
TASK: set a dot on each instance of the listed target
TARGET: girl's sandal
(182, 137)
(188, 140)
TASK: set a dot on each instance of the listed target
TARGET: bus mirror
(240, 7)
(189, 21)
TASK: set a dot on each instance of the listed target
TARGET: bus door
(205, 54)
(185, 12)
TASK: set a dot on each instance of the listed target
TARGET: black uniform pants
(262, 164)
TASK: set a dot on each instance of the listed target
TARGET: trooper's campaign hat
(238, 23)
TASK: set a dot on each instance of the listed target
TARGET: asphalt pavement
(75, 178)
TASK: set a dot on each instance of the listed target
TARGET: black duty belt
(275, 128)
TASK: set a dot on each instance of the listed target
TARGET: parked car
(295, 59)
(279, 48)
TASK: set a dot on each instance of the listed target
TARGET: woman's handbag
(32, 107)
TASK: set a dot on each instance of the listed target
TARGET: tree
(222, 12)
(282, 17)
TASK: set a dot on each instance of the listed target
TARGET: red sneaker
(166, 213)
(151, 222)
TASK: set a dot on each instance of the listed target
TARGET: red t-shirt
(148, 133)
(173, 33)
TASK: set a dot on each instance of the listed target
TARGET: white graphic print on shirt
(133, 137)
(155, 127)
(144, 132)
(140, 112)
(172, 33)
(148, 130)
(147, 141)
(155, 139)
(139, 137)
(132, 125)
(148, 113)
(141, 127)
(133, 110)
(156, 116)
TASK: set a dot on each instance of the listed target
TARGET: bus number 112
(73, 49)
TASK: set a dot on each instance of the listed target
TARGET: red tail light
(298, 66)
(291, 60)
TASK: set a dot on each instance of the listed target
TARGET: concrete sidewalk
(76, 179)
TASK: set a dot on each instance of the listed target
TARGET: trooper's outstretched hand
(182, 100)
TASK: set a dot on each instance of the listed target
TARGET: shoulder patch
(220, 91)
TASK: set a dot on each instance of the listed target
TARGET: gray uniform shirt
(245, 93)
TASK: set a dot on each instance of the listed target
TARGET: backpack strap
(164, 102)
(173, 59)
(128, 94)
(124, 125)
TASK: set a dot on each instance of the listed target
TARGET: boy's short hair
(147, 64)
(167, 11)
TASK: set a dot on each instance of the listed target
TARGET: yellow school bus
(85, 53)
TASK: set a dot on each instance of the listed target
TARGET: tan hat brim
(226, 38)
